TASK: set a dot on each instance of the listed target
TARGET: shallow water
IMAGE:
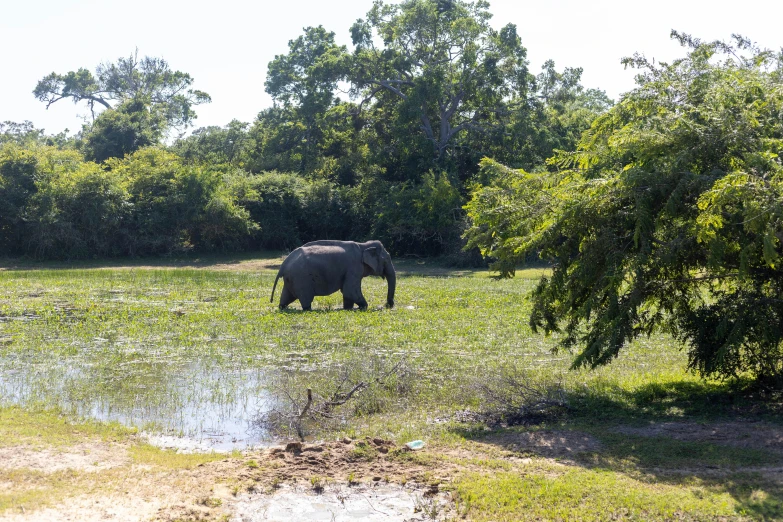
(187, 405)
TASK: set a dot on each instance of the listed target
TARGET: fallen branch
(321, 409)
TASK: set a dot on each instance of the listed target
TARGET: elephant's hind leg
(306, 299)
(347, 303)
(286, 298)
(307, 303)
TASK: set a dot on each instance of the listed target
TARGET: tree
(444, 68)
(216, 145)
(296, 134)
(669, 215)
(25, 134)
(116, 132)
(553, 117)
(129, 78)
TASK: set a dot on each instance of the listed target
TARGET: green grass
(49, 428)
(585, 494)
(152, 347)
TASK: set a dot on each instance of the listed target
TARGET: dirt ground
(215, 490)
(736, 434)
(212, 491)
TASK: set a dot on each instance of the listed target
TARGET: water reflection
(196, 403)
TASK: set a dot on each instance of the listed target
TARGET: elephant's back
(329, 249)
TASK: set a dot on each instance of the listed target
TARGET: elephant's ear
(371, 257)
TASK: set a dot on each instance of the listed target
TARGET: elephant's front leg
(352, 293)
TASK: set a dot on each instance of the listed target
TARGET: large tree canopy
(304, 130)
(441, 64)
(669, 214)
(128, 78)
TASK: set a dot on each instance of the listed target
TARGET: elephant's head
(377, 261)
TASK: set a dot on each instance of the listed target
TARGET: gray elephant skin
(324, 267)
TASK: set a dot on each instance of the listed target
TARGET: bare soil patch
(83, 457)
(547, 443)
(93, 508)
(754, 435)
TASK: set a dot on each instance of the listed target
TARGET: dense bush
(54, 205)
(23, 173)
(79, 213)
(420, 218)
(289, 209)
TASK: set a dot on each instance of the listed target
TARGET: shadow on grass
(296, 311)
(694, 400)
(724, 438)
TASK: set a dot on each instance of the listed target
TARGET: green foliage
(25, 134)
(503, 205)
(79, 213)
(126, 79)
(55, 206)
(117, 132)
(180, 207)
(290, 210)
(441, 68)
(23, 172)
(668, 215)
(227, 145)
(420, 218)
(295, 134)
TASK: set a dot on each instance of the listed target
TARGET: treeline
(431, 89)
(56, 205)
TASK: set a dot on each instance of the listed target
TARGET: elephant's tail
(272, 297)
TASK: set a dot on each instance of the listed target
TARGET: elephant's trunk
(391, 279)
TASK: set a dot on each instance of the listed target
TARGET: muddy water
(190, 405)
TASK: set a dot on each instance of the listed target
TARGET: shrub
(178, 207)
(420, 218)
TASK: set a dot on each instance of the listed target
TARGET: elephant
(324, 267)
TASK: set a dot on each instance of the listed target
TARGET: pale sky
(227, 45)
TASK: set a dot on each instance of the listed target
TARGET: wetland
(147, 383)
